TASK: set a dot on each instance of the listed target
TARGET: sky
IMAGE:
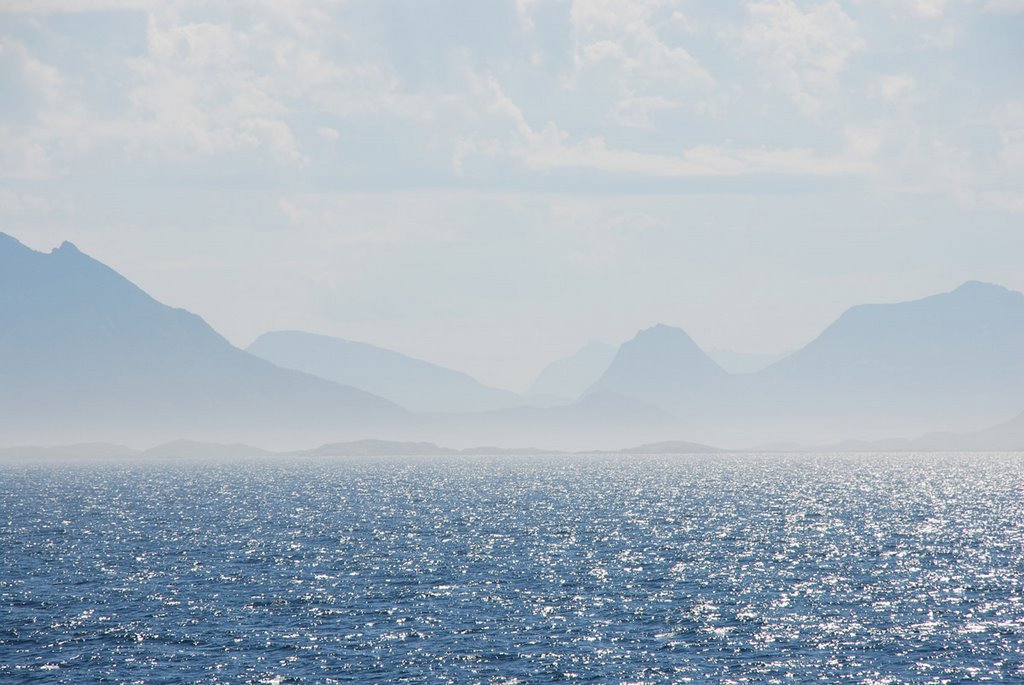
(489, 185)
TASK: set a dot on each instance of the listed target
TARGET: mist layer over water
(883, 568)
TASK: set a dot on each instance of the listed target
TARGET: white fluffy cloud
(660, 88)
(551, 148)
(636, 47)
(308, 94)
(801, 53)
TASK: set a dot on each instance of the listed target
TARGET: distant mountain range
(1004, 437)
(412, 383)
(593, 421)
(190, 449)
(86, 356)
(954, 360)
(958, 354)
(570, 376)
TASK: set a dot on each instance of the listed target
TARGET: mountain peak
(661, 365)
(981, 289)
(66, 247)
(413, 383)
(663, 329)
(973, 285)
(663, 336)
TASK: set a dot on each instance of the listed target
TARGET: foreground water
(871, 569)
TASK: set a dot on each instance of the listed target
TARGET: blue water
(731, 569)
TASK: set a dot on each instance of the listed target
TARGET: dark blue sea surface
(727, 569)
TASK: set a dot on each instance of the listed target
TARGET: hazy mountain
(664, 367)
(570, 376)
(1003, 437)
(371, 448)
(193, 449)
(671, 447)
(85, 355)
(744, 362)
(1008, 437)
(954, 359)
(412, 383)
(592, 422)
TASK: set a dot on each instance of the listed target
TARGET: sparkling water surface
(726, 569)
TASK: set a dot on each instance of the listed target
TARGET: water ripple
(733, 569)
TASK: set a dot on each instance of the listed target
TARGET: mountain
(744, 362)
(412, 383)
(192, 449)
(1003, 437)
(1006, 437)
(592, 422)
(377, 448)
(664, 367)
(86, 355)
(954, 360)
(671, 447)
(570, 376)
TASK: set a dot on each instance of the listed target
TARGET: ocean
(880, 568)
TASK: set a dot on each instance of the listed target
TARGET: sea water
(893, 568)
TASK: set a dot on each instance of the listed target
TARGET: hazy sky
(491, 184)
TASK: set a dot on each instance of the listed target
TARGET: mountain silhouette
(953, 361)
(570, 376)
(415, 384)
(663, 366)
(88, 357)
(956, 356)
(85, 354)
(591, 422)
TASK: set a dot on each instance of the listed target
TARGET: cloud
(630, 34)
(311, 91)
(801, 54)
(198, 91)
(1005, 6)
(929, 9)
(72, 6)
(894, 87)
(633, 49)
(327, 133)
(636, 112)
(21, 158)
(551, 148)
(17, 204)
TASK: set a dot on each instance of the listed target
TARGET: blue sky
(491, 184)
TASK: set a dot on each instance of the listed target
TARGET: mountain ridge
(951, 359)
(84, 349)
(570, 376)
(413, 383)
(88, 356)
